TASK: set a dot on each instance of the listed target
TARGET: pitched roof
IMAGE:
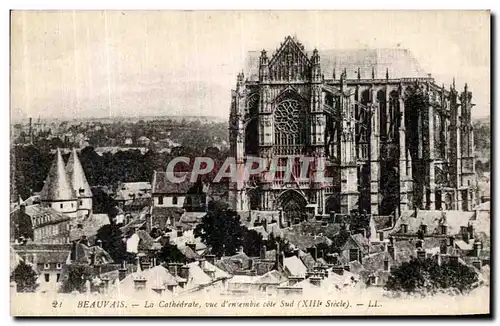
(163, 185)
(57, 185)
(304, 241)
(272, 277)
(156, 277)
(133, 190)
(454, 220)
(294, 266)
(400, 63)
(83, 254)
(483, 207)
(76, 176)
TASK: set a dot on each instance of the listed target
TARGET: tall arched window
(289, 124)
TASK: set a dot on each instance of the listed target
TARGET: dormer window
(386, 265)
(46, 266)
(404, 228)
(59, 266)
(423, 227)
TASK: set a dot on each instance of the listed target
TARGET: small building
(167, 192)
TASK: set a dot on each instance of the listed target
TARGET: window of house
(47, 277)
(58, 276)
(160, 200)
(386, 265)
(58, 265)
(61, 205)
(353, 254)
(404, 228)
(174, 200)
(81, 202)
(424, 228)
(46, 266)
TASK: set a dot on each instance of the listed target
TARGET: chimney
(315, 252)
(184, 272)
(201, 263)
(338, 270)
(172, 268)
(179, 232)
(210, 259)
(122, 272)
(262, 253)
(140, 283)
(160, 290)
(392, 251)
(264, 224)
(241, 250)
(295, 279)
(315, 280)
(164, 240)
(478, 245)
(477, 264)
(443, 248)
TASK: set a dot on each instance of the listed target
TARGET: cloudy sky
(105, 64)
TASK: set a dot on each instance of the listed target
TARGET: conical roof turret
(56, 185)
(76, 176)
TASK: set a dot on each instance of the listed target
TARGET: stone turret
(57, 192)
(79, 184)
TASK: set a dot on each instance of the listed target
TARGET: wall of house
(68, 208)
(50, 276)
(168, 201)
(84, 207)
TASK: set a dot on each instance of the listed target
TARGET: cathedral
(392, 139)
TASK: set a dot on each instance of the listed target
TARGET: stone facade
(391, 138)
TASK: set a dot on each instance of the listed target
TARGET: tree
(220, 229)
(112, 241)
(77, 277)
(427, 276)
(25, 278)
(252, 242)
(169, 253)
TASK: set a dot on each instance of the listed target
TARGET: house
(40, 224)
(167, 192)
(127, 192)
(47, 260)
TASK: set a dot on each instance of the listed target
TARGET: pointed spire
(76, 176)
(387, 73)
(453, 84)
(359, 74)
(56, 185)
(373, 72)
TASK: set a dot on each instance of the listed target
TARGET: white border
(189, 5)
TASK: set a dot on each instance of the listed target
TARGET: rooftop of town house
(432, 219)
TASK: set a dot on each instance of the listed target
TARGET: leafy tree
(252, 242)
(220, 229)
(427, 276)
(112, 241)
(77, 276)
(25, 277)
(169, 253)
(340, 239)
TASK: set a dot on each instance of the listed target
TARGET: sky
(83, 64)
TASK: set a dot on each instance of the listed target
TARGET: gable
(290, 62)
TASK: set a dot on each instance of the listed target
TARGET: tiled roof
(162, 215)
(76, 176)
(302, 241)
(45, 253)
(146, 242)
(162, 184)
(263, 266)
(272, 277)
(308, 260)
(315, 228)
(40, 215)
(454, 220)
(57, 186)
(400, 63)
(83, 254)
(89, 226)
